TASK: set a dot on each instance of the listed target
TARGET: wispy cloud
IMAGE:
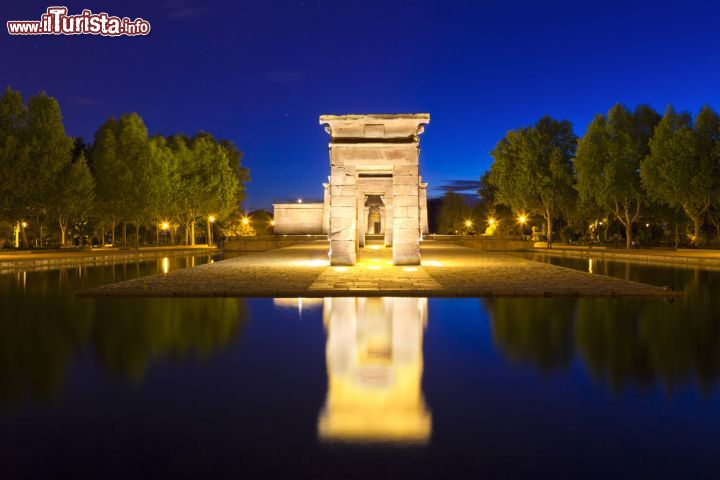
(459, 186)
(181, 10)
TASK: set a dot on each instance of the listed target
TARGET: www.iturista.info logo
(56, 21)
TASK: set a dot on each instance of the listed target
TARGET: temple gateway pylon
(375, 186)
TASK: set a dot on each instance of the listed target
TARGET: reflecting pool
(358, 387)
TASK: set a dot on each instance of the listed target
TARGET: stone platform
(446, 271)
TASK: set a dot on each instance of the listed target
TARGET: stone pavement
(446, 271)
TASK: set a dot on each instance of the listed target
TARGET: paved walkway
(446, 271)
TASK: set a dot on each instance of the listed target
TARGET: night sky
(260, 73)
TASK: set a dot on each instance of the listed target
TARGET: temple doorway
(375, 215)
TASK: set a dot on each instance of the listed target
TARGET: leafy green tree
(123, 169)
(453, 214)
(74, 195)
(681, 168)
(12, 120)
(532, 169)
(608, 162)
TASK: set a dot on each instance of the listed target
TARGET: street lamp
(211, 220)
(246, 221)
(491, 221)
(522, 219)
(24, 224)
(299, 200)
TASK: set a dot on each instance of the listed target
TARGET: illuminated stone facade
(375, 185)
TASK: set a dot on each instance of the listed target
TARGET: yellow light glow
(312, 263)
(522, 219)
(299, 200)
(24, 224)
(245, 221)
(468, 223)
(165, 265)
(340, 269)
(272, 223)
(431, 263)
(491, 221)
(165, 226)
(410, 269)
(374, 267)
(647, 225)
(211, 218)
(375, 247)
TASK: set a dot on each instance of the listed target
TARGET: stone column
(424, 229)
(388, 200)
(406, 215)
(326, 208)
(343, 214)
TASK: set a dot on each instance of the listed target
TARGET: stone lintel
(382, 127)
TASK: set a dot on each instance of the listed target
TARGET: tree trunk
(209, 233)
(628, 235)
(192, 233)
(112, 235)
(62, 232)
(173, 234)
(41, 236)
(124, 229)
(696, 234)
(548, 219)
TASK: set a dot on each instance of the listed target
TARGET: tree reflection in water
(621, 342)
(374, 367)
(44, 329)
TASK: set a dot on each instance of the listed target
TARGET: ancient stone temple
(374, 188)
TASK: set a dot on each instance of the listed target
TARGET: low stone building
(374, 188)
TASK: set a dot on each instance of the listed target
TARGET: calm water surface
(358, 388)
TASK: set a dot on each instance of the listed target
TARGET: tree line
(155, 184)
(636, 169)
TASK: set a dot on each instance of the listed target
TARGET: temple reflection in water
(374, 366)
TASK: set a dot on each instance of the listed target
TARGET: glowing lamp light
(24, 224)
(272, 223)
(246, 221)
(299, 200)
(165, 226)
(647, 225)
(468, 223)
(491, 221)
(522, 219)
(211, 218)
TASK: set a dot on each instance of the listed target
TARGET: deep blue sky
(260, 73)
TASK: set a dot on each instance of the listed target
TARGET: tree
(608, 162)
(681, 168)
(206, 182)
(453, 213)
(12, 120)
(74, 194)
(122, 166)
(532, 169)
